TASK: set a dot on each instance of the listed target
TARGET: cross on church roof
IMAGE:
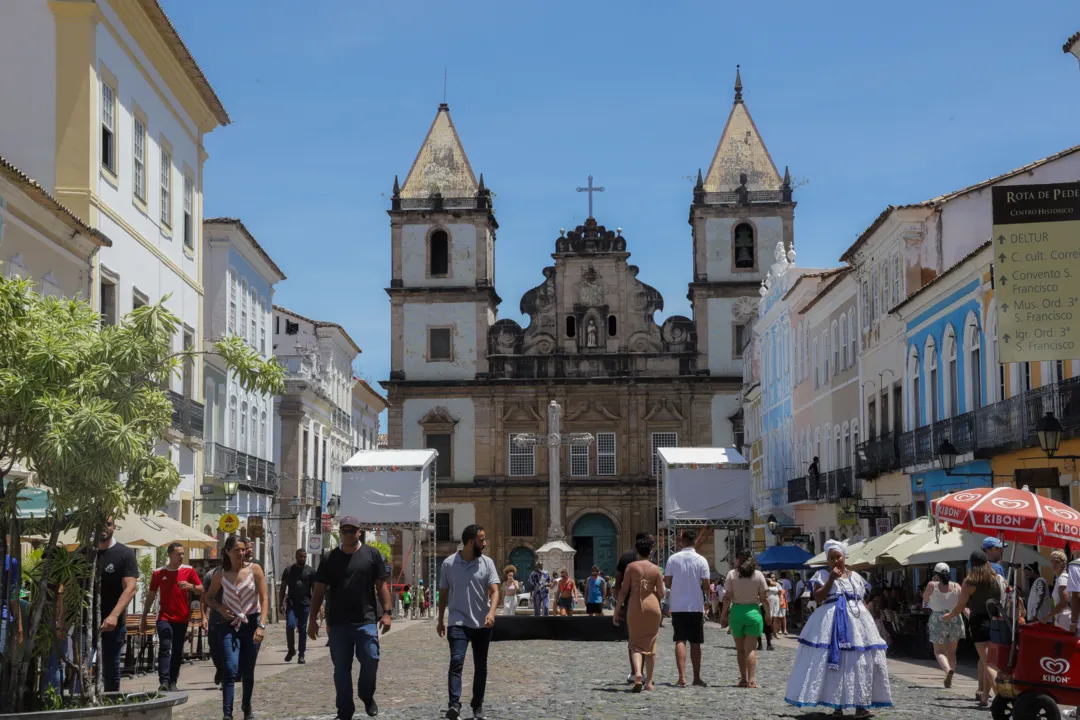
(590, 189)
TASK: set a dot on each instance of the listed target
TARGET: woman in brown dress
(644, 583)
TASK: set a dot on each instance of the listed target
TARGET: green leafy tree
(83, 406)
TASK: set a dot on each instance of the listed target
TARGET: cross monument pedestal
(556, 554)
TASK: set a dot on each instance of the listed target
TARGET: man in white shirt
(687, 577)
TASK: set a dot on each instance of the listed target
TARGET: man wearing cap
(1038, 600)
(994, 549)
(355, 576)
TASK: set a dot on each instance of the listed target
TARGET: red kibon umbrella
(1018, 516)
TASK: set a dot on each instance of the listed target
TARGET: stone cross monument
(556, 553)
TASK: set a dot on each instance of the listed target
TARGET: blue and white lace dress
(840, 662)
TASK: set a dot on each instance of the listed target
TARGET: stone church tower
(465, 383)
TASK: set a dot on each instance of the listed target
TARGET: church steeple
(441, 166)
(741, 150)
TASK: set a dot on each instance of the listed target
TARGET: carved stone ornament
(590, 291)
(438, 415)
(744, 309)
(665, 409)
(590, 334)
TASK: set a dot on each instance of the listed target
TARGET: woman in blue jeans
(242, 598)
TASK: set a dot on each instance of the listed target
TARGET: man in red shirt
(175, 582)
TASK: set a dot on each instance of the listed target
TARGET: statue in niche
(590, 334)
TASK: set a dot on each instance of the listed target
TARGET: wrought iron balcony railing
(251, 471)
(188, 415)
(877, 456)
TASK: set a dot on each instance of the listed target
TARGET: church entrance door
(595, 540)
(523, 558)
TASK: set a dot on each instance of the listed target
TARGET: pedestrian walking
(840, 661)
(686, 575)
(625, 559)
(744, 596)
(240, 634)
(774, 589)
(353, 578)
(567, 594)
(940, 596)
(469, 587)
(786, 600)
(981, 586)
(596, 590)
(211, 620)
(175, 582)
(640, 593)
(540, 582)
(510, 590)
(1060, 612)
(297, 584)
(406, 599)
(118, 573)
(427, 600)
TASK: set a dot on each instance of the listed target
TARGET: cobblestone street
(562, 681)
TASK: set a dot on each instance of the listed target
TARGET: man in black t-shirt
(624, 560)
(351, 576)
(297, 582)
(118, 571)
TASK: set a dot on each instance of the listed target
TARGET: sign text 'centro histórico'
(1037, 271)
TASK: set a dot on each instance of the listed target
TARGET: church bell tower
(442, 291)
(742, 209)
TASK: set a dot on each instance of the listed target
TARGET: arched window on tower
(439, 253)
(571, 326)
(612, 326)
(744, 246)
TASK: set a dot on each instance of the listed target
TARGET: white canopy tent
(704, 487)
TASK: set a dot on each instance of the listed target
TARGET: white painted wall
(27, 92)
(723, 406)
(721, 320)
(418, 318)
(718, 246)
(464, 450)
(462, 256)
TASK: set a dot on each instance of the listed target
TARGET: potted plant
(83, 406)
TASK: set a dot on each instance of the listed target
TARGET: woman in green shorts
(745, 593)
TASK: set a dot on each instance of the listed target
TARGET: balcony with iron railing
(996, 428)
(187, 415)
(341, 420)
(827, 487)
(877, 456)
(798, 490)
(256, 473)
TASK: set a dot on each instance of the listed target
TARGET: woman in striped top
(240, 630)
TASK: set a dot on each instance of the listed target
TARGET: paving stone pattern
(564, 681)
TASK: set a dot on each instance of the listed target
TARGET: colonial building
(108, 111)
(465, 382)
(314, 423)
(239, 278)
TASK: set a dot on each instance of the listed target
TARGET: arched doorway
(594, 538)
(523, 558)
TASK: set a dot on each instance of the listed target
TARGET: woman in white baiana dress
(840, 662)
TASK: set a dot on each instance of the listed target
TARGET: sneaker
(164, 688)
(478, 714)
(301, 661)
(371, 707)
(630, 679)
(289, 656)
(453, 713)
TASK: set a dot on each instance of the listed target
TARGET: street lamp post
(947, 459)
(771, 524)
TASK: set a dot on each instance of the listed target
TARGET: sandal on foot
(637, 685)
(680, 684)
(700, 683)
(742, 684)
(752, 686)
(948, 679)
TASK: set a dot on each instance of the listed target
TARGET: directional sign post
(1037, 271)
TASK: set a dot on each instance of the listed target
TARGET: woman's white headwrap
(831, 545)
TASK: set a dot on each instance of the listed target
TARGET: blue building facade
(945, 379)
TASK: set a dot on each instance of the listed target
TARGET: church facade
(465, 382)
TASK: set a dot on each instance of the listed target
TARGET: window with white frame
(166, 187)
(865, 305)
(108, 127)
(252, 448)
(232, 421)
(243, 427)
(262, 327)
(932, 382)
(853, 336)
(579, 460)
(825, 357)
(873, 296)
(522, 459)
(605, 453)
(231, 319)
(262, 434)
(952, 375)
(254, 336)
(139, 157)
(817, 380)
(975, 371)
(885, 307)
(661, 440)
(835, 349)
(189, 212)
(844, 342)
(915, 397)
(243, 309)
(896, 278)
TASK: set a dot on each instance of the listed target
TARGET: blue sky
(869, 103)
